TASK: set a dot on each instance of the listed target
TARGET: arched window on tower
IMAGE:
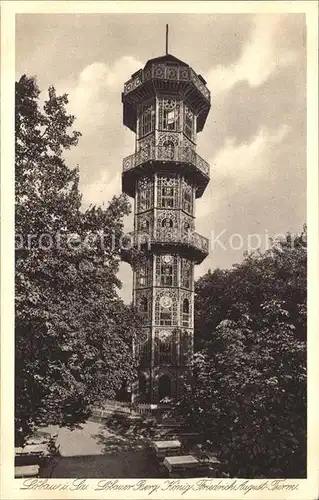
(165, 349)
(189, 120)
(165, 315)
(144, 194)
(167, 197)
(166, 231)
(187, 274)
(187, 202)
(167, 223)
(187, 198)
(168, 150)
(144, 225)
(143, 274)
(166, 309)
(169, 114)
(146, 119)
(143, 305)
(168, 144)
(167, 191)
(185, 319)
(166, 270)
(187, 227)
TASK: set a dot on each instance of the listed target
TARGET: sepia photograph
(160, 248)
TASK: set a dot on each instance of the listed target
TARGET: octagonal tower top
(165, 74)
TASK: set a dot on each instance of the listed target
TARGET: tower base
(161, 384)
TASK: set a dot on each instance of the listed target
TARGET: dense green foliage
(249, 396)
(73, 333)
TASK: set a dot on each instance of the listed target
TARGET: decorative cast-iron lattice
(178, 154)
(144, 273)
(144, 194)
(146, 118)
(166, 308)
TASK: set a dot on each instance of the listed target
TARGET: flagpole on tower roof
(166, 38)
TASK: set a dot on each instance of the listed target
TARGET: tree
(73, 334)
(249, 396)
(279, 272)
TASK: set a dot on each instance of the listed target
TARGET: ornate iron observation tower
(165, 104)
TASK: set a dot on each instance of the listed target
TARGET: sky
(255, 134)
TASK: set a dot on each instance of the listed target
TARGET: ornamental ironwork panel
(167, 219)
(189, 122)
(146, 118)
(166, 72)
(168, 139)
(147, 74)
(188, 237)
(144, 273)
(145, 188)
(165, 347)
(186, 347)
(158, 71)
(200, 242)
(168, 192)
(187, 196)
(166, 266)
(187, 143)
(143, 303)
(166, 307)
(201, 87)
(142, 346)
(145, 222)
(169, 117)
(141, 238)
(187, 273)
(178, 154)
(186, 222)
(146, 142)
(172, 72)
(186, 309)
(129, 162)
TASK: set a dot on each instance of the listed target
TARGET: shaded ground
(122, 465)
(117, 447)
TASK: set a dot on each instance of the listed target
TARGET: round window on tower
(166, 302)
(164, 335)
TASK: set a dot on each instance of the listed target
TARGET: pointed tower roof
(168, 58)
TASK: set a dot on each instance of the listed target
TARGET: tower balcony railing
(189, 238)
(166, 72)
(179, 154)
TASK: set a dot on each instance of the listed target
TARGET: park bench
(180, 466)
(166, 448)
(22, 471)
(30, 454)
(37, 453)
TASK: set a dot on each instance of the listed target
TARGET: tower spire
(166, 38)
